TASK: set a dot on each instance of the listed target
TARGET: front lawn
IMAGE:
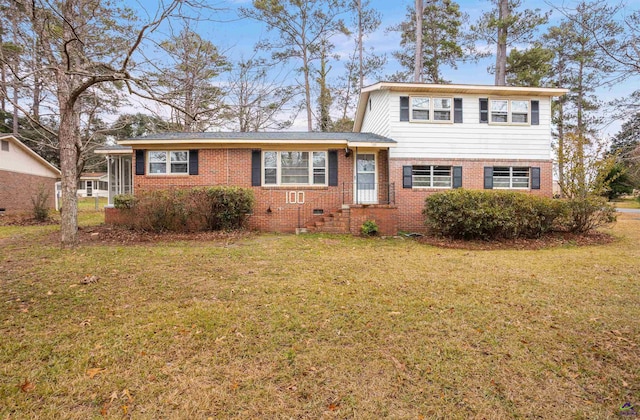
(281, 326)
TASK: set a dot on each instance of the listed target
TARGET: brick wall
(16, 190)
(385, 216)
(410, 201)
(277, 209)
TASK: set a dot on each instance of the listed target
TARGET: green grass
(279, 326)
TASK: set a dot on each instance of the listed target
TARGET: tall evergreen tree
(506, 26)
(441, 43)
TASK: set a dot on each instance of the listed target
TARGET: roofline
(441, 88)
(113, 151)
(252, 142)
(33, 154)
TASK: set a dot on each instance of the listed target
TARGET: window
(295, 168)
(510, 177)
(5, 145)
(431, 176)
(504, 111)
(431, 109)
(175, 162)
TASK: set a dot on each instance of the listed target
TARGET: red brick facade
(278, 208)
(410, 201)
(283, 209)
(17, 190)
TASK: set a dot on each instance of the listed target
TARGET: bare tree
(83, 44)
(258, 102)
(301, 26)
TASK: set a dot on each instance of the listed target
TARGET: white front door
(365, 182)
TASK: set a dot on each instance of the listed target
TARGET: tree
(530, 67)
(440, 44)
(135, 125)
(626, 146)
(301, 26)
(83, 44)
(324, 98)
(363, 63)
(188, 82)
(505, 26)
(258, 102)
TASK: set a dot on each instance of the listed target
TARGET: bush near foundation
(183, 210)
(466, 214)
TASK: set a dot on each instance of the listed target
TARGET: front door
(366, 187)
(89, 188)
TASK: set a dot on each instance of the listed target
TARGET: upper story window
(509, 111)
(169, 162)
(431, 176)
(424, 108)
(4, 145)
(295, 168)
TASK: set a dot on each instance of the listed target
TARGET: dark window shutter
(457, 177)
(535, 178)
(488, 177)
(407, 179)
(535, 112)
(404, 108)
(139, 162)
(193, 162)
(457, 110)
(333, 168)
(256, 168)
(484, 110)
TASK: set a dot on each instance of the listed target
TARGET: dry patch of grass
(274, 326)
(627, 203)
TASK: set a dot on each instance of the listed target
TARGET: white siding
(376, 120)
(469, 140)
(18, 160)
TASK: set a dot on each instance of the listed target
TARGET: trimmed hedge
(468, 214)
(194, 209)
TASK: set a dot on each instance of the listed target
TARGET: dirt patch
(105, 234)
(22, 220)
(552, 240)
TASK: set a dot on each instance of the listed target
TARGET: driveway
(628, 210)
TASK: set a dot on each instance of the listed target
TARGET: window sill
(431, 121)
(295, 187)
(167, 175)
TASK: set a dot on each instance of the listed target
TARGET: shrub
(369, 228)
(39, 209)
(582, 215)
(124, 201)
(196, 209)
(487, 215)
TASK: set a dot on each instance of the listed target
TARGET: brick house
(22, 174)
(410, 140)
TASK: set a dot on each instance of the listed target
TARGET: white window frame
(168, 162)
(431, 176)
(312, 170)
(511, 177)
(432, 109)
(510, 112)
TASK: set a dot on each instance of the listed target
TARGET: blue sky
(237, 38)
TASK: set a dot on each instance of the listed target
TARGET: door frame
(356, 191)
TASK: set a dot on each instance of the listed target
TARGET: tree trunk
(16, 82)
(501, 48)
(360, 47)
(307, 89)
(68, 164)
(417, 73)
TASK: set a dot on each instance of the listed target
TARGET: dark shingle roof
(270, 136)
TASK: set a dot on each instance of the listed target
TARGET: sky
(237, 38)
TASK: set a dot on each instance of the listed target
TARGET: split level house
(23, 175)
(409, 140)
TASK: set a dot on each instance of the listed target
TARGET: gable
(21, 159)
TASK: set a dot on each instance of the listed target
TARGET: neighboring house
(409, 141)
(23, 174)
(93, 184)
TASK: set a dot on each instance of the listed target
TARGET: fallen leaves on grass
(27, 386)
(551, 240)
(93, 372)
